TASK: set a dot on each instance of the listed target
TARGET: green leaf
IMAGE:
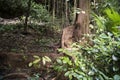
(30, 64)
(85, 78)
(67, 73)
(36, 61)
(36, 56)
(91, 73)
(59, 61)
(103, 35)
(116, 77)
(47, 59)
(101, 77)
(44, 61)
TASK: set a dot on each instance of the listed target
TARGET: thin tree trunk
(49, 5)
(66, 13)
(53, 11)
(74, 16)
(45, 3)
(57, 9)
(62, 8)
(27, 15)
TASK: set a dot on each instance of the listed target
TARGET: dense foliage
(39, 13)
(12, 8)
(98, 58)
(101, 60)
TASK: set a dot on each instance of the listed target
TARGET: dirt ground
(17, 50)
(15, 47)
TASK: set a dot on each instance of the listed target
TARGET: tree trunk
(66, 12)
(82, 20)
(81, 25)
(27, 15)
(74, 16)
(53, 12)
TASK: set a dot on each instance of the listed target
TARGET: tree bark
(76, 32)
(74, 16)
(82, 20)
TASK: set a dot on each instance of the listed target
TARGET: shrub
(98, 62)
(39, 13)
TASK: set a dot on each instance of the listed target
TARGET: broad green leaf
(116, 77)
(47, 59)
(59, 61)
(67, 73)
(36, 56)
(44, 61)
(36, 61)
(30, 64)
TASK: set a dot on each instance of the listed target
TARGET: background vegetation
(37, 28)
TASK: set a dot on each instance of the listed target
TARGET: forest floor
(17, 49)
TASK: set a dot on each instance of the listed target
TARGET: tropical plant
(36, 62)
(109, 21)
(99, 5)
(112, 21)
(97, 62)
(39, 13)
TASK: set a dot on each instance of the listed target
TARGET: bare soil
(17, 50)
